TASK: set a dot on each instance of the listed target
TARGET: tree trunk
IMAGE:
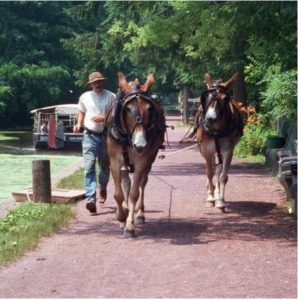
(239, 91)
(182, 98)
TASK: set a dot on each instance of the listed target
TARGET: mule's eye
(127, 109)
(225, 98)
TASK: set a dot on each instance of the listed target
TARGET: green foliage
(22, 228)
(280, 95)
(35, 67)
(253, 139)
(5, 96)
(271, 41)
(29, 87)
(176, 40)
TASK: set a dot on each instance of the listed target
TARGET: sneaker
(91, 206)
(102, 196)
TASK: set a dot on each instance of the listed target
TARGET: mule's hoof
(221, 209)
(219, 203)
(122, 225)
(209, 204)
(129, 233)
(122, 217)
(210, 198)
(140, 220)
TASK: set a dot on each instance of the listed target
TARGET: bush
(280, 96)
(254, 136)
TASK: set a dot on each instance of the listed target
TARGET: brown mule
(220, 126)
(136, 128)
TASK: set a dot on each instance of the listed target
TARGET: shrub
(280, 96)
(254, 136)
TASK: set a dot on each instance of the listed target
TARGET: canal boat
(53, 127)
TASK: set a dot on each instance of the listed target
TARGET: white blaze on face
(139, 139)
(211, 113)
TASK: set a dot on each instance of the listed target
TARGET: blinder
(214, 92)
(137, 114)
(123, 134)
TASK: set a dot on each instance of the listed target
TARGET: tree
(36, 69)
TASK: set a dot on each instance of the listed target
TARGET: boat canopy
(62, 109)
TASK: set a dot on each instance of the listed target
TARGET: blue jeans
(95, 148)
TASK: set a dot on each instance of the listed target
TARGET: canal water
(21, 143)
(16, 156)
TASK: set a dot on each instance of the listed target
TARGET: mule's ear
(231, 80)
(123, 82)
(208, 80)
(148, 84)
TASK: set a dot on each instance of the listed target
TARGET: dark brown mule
(220, 126)
(136, 128)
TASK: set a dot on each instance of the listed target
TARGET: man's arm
(98, 118)
(80, 122)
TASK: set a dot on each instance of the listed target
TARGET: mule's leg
(140, 218)
(121, 212)
(218, 170)
(223, 179)
(210, 173)
(126, 185)
(129, 230)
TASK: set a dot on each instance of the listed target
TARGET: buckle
(89, 131)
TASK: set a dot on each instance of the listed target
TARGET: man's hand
(98, 118)
(77, 128)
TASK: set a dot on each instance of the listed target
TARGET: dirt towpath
(183, 251)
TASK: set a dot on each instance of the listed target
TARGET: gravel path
(183, 251)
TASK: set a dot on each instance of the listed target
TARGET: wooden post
(41, 181)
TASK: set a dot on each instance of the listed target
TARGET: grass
(259, 158)
(241, 152)
(22, 228)
(74, 181)
(4, 135)
(7, 138)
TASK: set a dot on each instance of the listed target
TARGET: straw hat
(95, 76)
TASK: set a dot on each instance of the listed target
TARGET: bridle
(134, 98)
(121, 133)
(214, 92)
(222, 104)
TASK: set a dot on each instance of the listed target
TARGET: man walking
(93, 107)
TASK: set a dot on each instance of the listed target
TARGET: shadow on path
(243, 221)
(242, 169)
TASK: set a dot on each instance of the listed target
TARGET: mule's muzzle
(209, 121)
(139, 141)
(139, 148)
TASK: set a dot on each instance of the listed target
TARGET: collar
(97, 94)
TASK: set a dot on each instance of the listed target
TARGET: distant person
(93, 107)
(60, 135)
(44, 128)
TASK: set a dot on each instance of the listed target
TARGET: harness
(121, 133)
(227, 108)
